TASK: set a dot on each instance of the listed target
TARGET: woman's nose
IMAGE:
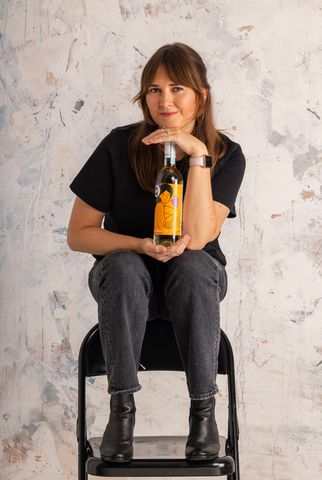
(165, 98)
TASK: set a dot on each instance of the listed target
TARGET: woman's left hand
(187, 143)
(166, 254)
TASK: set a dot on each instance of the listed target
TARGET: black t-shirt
(108, 183)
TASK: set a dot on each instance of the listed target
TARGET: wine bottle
(168, 193)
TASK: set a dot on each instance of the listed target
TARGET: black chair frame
(159, 338)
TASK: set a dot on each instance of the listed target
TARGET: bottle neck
(169, 154)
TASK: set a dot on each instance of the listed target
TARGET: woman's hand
(159, 252)
(186, 143)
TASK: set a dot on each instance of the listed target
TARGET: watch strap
(197, 161)
(205, 161)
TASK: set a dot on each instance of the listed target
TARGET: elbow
(195, 244)
(70, 244)
(71, 241)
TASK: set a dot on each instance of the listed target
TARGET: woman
(133, 280)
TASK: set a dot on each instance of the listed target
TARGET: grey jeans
(131, 289)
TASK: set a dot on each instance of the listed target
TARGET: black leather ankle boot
(203, 440)
(117, 442)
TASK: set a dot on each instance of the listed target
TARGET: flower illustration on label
(175, 201)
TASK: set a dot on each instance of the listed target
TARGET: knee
(123, 268)
(192, 264)
(194, 270)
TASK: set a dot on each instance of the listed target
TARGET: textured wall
(69, 70)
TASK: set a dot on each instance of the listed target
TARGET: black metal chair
(159, 352)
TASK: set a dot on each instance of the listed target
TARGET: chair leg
(233, 428)
(82, 475)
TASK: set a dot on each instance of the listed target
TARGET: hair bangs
(180, 73)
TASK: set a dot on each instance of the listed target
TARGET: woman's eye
(153, 90)
(177, 89)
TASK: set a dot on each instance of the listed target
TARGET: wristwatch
(205, 161)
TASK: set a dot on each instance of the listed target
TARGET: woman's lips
(168, 114)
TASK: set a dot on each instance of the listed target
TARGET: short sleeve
(94, 184)
(228, 176)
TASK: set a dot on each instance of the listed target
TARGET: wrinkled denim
(131, 289)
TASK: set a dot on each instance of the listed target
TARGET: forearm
(199, 215)
(97, 241)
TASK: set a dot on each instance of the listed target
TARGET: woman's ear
(205, 93)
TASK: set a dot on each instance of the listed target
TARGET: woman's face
(171, 105)
(165, 196)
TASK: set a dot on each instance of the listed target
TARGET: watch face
(208, 161)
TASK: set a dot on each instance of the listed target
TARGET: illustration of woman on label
(165, 212)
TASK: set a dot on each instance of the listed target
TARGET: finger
(159, 249)
(174, 253)
(179, 247)
(158, 139)
(162, 257)
(185, 239)
(183, 242)
(153, 135)
(155, 249)
(159, 136)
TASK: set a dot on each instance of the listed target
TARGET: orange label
(168, 209)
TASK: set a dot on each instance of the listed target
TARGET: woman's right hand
(161, 253)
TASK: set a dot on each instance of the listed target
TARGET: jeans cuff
(113, 391)
(203, 396)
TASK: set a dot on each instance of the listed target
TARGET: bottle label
(168, 209)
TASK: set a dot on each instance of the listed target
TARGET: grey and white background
(69, 69)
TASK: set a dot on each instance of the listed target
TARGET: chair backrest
(159, 350)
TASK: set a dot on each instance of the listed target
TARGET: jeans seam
(220, 270)
(113, 391)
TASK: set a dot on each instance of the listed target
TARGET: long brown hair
(185, 67)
